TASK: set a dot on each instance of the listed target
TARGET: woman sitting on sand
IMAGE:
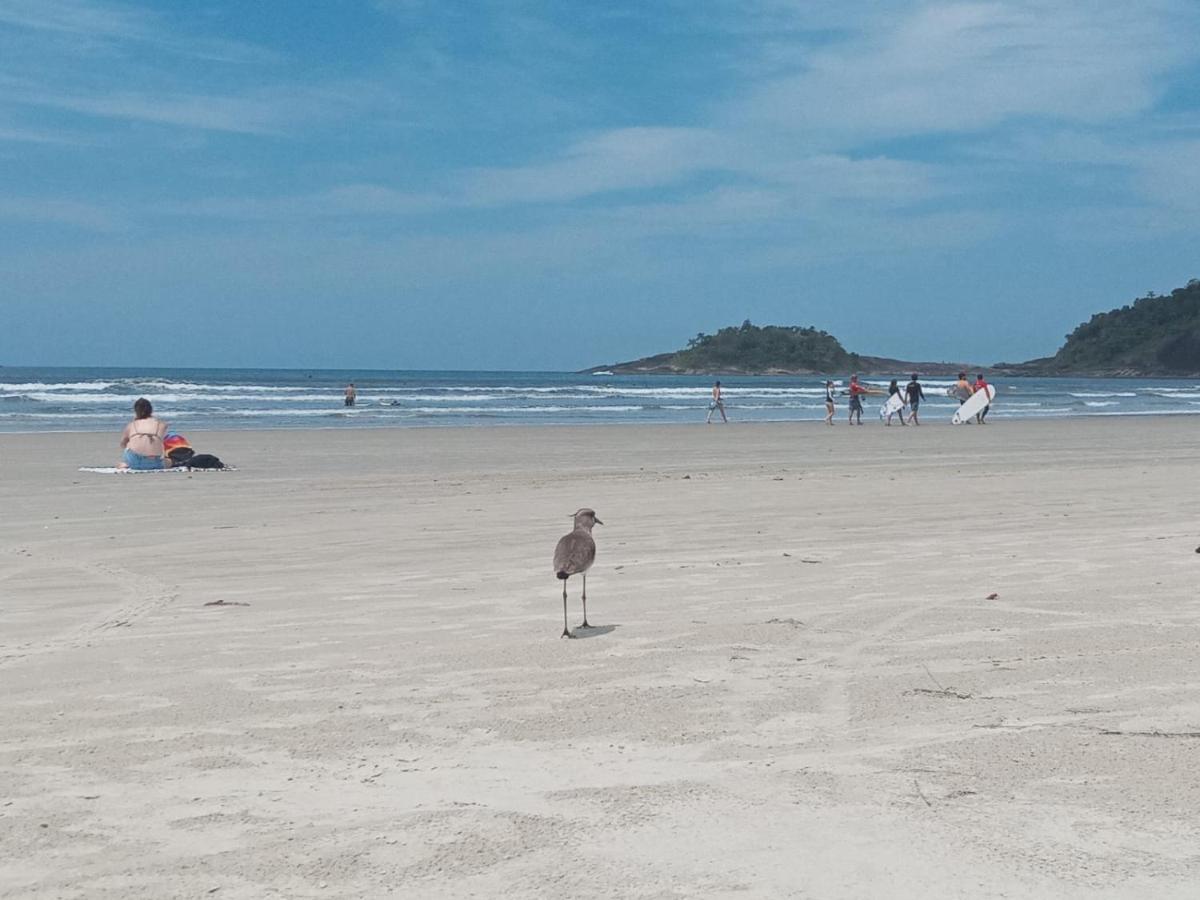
(142, 439)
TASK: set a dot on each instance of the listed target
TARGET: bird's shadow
(594, 630)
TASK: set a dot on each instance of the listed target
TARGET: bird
(574, 555)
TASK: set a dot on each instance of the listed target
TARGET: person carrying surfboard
(962, 389)
(893, 390)
(981, 385)
(915, 395)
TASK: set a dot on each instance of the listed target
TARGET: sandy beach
(828, 662)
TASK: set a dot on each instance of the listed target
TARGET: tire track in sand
(146, 594)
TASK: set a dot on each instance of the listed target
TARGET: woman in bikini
(142, 439)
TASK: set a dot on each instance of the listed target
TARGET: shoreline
(839, 419)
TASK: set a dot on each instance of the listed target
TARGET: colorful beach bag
(177, 448)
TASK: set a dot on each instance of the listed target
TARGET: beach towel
(115, 470)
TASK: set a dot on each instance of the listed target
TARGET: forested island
(749, 349)
(1155, 335)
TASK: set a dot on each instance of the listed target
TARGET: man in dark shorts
(915, 395)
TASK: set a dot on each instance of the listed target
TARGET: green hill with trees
(752, 348)
(1155, 335)
(749, 349)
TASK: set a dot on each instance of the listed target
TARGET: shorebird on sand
(574, 555)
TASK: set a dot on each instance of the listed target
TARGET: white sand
(800, 688)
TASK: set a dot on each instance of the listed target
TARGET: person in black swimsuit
(915, 395)
(829, 403)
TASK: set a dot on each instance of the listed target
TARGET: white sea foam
(126, 400)
(192, 386)
(386, 411)
(56, 386)
(59, 416)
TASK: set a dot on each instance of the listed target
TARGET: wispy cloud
(619, 160)
(91, 22)
(955, 67)
(100, 61)
(264, 111)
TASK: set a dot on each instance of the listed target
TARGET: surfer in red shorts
(856, 392)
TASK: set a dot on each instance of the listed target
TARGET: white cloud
(90, 22)
(961, 67)
(617, 160)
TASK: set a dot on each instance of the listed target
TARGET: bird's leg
(585, 622)
(566, 631)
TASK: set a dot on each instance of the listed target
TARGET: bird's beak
(598, 522)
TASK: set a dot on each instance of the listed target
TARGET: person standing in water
(717, 405)
(351, 394)
(829, 403)
(915, 395)
(981, 385)
(893, 390)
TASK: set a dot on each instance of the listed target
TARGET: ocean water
(93, 399)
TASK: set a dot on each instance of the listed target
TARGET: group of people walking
(913, 394)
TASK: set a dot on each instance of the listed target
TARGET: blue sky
(549, 185)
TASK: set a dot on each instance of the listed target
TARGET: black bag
(181, 455)
(204, 461)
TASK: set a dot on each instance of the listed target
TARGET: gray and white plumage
(574, 555)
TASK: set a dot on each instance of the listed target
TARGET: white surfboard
(974, 405)
(893, 405)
